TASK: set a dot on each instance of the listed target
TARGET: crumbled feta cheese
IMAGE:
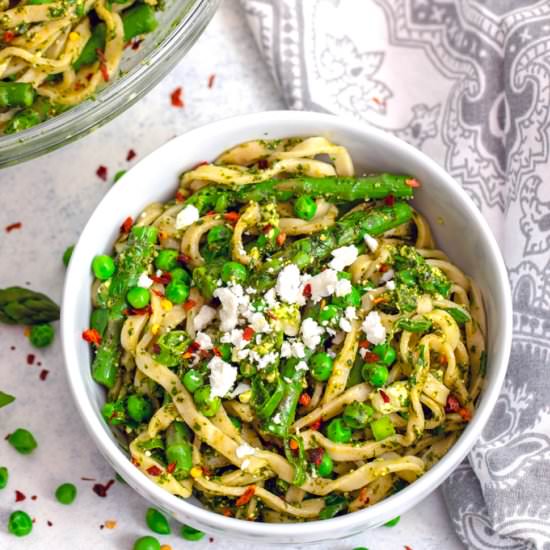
(343, 256)
(343, 287)
(311, 333)
(269, 298)
(398, 394)
(251, 290)
(222, 376)
(345, 325)
(203, 340)
(323, 284)
(263, 361)
(390, 285)
(144, 281)
(293, 348)
(302, 365)
(188, 215)
(350, 313)
(374, 329)
(244, 450)
(288, 285)
(245, 464)
(277, 418)
(371, 242)
(204, 317)
(235, 338)
(387, 276)
(259, 323)
(286, 349)
(363, 352)
(240, 388)
(229, 311)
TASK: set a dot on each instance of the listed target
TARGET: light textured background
(53, 197)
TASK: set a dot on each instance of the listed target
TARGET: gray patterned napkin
(468, 82)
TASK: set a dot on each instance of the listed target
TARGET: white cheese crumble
(302, 365)
(188, 215)
(323, 284)
(371, 242)
(311, 333)
(350, 313)
(222, 376)
(144, 281)
(245, 464)
(277, 418)
(288, 286)
(203, 340)
(229, 312)
(398, 394)
(269, 298)
(204, 317)
(390, 285)
(259, 323)
(343, 287)
(374, 329)
(293, 348)
(343, 257)
(244, 450)
(240, 388)
(345, 325)
(387, 276)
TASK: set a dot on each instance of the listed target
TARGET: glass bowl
(180, 24)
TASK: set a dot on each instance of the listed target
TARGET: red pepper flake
(180, 197)
(12, 226)
(316, 425)
(281, 238)
(363, 496)
(293, 444)
(246, 496)
(412, 182)
(44, 374)
(271, 315)
(263, 164)
(364, 344)
(232, 217)
(184, 259)
(316, 455)
(305, 399)
(92, 336)
(193, 346)
(49, 523)
(216, 351)
(154, 471)
(19, 496)
(103, 64)
(101, 172)
(135, 461)
(307, 291)
(383, 268)
(248, 333)
(227, 513)
(163, 279)
(171, 467)
(389, 200)
(30, 359)
(8, 36)
(453, 405)
(211, 213)
(408, 547)
(211, 79)
(127, 225)
(385, 396)
(176, 99)
(131, 155)
(189, 304)
(465, 414)
(34, 497)
(371, 357)
(136, 44)
(101, 490)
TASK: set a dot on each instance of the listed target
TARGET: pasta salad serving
(282, 339)
(55, 54)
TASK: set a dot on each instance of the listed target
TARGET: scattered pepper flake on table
(101, 490)
(211, 80)
(19, 496)
(13, 226)
(131, 155)
(176, 99)
(30, 359)
(49, 523)
(110, 524)
(44, 374)
(101, 172)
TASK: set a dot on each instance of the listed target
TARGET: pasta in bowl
(282, 338)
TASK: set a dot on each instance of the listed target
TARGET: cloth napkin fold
(467, 82)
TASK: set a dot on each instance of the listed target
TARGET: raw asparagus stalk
(25, 307)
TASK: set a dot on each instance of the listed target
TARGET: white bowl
(464, 236)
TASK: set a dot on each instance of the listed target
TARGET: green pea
(206, 404)
(103, 267)
(321, 365)
(138, 297)
(328, 314)
(177, 292)
(181, 275)
(22, 441)
(157, 522)
(190, 533)
(225, 351)
(360, 548)
(338, 432)
(353, 298)
(139, 408)
(4, 476)
(393, 522)
(376, 374)
(66, 493)
(325, 467)
(234, 420)
(386, 353)
(147, 543)
(305, 207)
(356, 415)
(234, 272)
(41, 335)
(218, 235)
(67, 255)
(193, 380)
(20, 523)
(382, 427)
(167, 259)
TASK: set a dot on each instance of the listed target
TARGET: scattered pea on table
(66, 493)
(67, 255)
(4, 476)
(190, 533)
(19, 523)
(157, 522)
(22, 441)
(147, 543)
(41, 335)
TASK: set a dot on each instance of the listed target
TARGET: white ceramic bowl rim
(390, 506)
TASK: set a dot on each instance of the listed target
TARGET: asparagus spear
(26, 307)
(179, 449)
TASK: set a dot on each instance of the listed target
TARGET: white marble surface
(53, 197)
